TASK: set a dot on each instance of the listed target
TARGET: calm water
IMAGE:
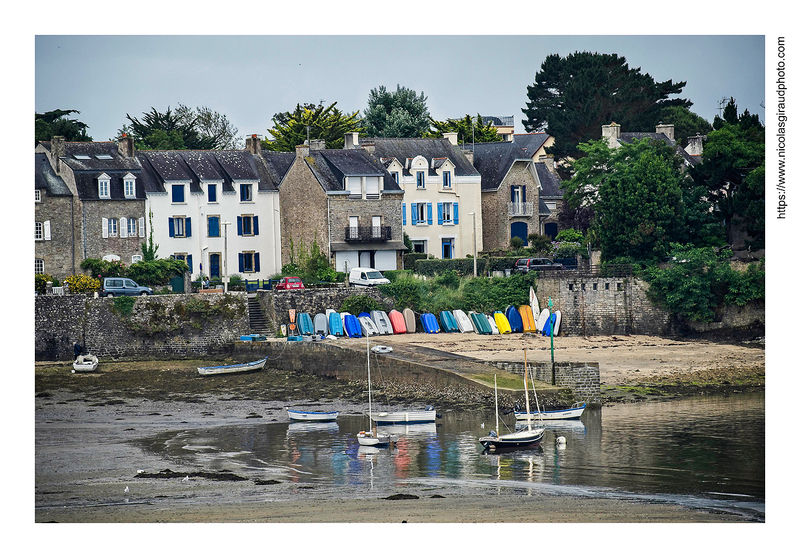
(701, 452)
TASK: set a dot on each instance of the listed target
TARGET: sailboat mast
(525, 381)
(369, 386)
(496, 408)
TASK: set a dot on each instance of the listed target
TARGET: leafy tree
(183, 128)
(642, 198)
(732, 172)
(56, 123)
(469, 130)
(573, 97)
(687, 123)
(398, 114)
(311, 121)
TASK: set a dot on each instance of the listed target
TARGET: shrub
(156, 272)
(538, 243)
(82, 283)
(41, 280)
(123, 305)
(356, 304)
(569, 235)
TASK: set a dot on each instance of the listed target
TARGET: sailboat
(528, 436)
(373, 437)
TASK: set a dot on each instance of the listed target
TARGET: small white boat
(367, 325)
(373, 437)
(312, 416)
(381, 349)
(419, 416)
(463, 321)
(232, 368)
(381, 320)
(85, 363)
(558, 414)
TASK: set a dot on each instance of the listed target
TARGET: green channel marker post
(552, 350)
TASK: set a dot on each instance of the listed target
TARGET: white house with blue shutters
(442, 194)
(217, 210)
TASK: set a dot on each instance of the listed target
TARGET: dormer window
(178, 195)
(245, 192)
(420, 180)
(104, 186)
(129, 182)
(446, 180)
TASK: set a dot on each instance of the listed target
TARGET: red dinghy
(397, 321)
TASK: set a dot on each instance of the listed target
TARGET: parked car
(122, 286)
(367, 277)
(289, 284)
(525, 265)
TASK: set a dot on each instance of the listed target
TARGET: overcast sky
(250, 78)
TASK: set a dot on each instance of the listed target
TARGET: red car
(289, 283)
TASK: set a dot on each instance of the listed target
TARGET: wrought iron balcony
(518, 209)
(367, 234)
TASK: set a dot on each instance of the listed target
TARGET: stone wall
(583, 378)
(56, 252)
(95, 246)
(304, 212)
(59, 323)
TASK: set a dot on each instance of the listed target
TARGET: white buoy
(561, 441)
(127, 490)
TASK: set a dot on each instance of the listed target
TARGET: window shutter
(105, 228)
(171, 227)
(188, 227)
(123, 227)
(440, 219)
(404, 214)
(213, 226)
(413, 214)
(524, 187)
(430, 213)
(189, 263)
(141, 227)
(255, 224)
(46, 227)
(239, 224)
(241, 263)
(455, 213)
(257, 262)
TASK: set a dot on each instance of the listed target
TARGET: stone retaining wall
(583, 378)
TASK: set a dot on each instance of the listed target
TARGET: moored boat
(312, 416)
(85, 363)
(373, 437)
(418, 416)
(232, 368)
(574, 412)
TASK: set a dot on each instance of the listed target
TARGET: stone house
(441, 211)
(217, 210)
(692, 155)
(346, 202)
(535, 144)
(105, 217)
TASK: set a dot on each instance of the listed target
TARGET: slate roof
(224, 166)
(551, 183)
(404, 149)
(531, 142)
(330, 166)
(493, 161)
(628, 137)
(45, 178)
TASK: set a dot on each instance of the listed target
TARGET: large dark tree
(183, 128)
(574, 96)
(733, 173)
(396, 114)
(468, 129)
(311, 121)
(56, 123)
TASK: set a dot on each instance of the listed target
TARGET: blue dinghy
(306, 324)
(335, 326)
(448, 321)
(352, 326)
(548, 326)
(429, 323)
(514, 319)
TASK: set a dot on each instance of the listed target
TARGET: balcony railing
(517, 209)
(367, 234)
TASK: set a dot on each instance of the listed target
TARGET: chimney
(125, 146)
(369, 146)
(549, 161)
(57, 150)
(316, 144)
(351, 140)
(452, 137)
(611, 134)
(695, 145)
(666, 129)
(470, 155)
(301, 151)
(253, 144)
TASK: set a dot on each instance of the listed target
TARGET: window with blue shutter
(404, 214)
(189, 263)
(413, 214)
(188, 226)
(241, 263)
(177, 193)
(212, 193)
(171, 227)
(213, 225)
(239, 225)
(430, 213)
(455, 213)
(255, 224)
(440, 217)
(256, 262)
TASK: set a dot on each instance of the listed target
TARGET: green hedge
(464, 266)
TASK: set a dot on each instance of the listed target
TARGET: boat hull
(233, 368)
(312, 416)
(381, 439)
(463, 322)
(559, 414)
(518, 439)
(405, 417)
(398, 322)
(85, 363)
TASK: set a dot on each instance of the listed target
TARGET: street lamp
(474, 245)
(225, 259)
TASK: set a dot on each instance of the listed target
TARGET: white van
(367, 277)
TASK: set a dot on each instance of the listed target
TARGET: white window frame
(179, 223)
(39, 234)
(129, 182)
(422, 209)
(420, 176)
(447, 179)
(424, 243)
(249, 197)
(38, 265)
(172, 193)
(113, 227)
(136, 258)
(447, 213)
(104, 186)
(131, 227)
(38, 194)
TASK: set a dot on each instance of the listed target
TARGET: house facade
(106, 214)
(217, 210)
(345, 202)
(441, 210)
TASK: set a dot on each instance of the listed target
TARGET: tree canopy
(572, 97)
(469, 130)
(182, 128)
(733, 172)
(396, 114)
(311, 121)
(56, 123)
(643, 200)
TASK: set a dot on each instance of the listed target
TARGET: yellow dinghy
(502, 322)
(528, 323)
